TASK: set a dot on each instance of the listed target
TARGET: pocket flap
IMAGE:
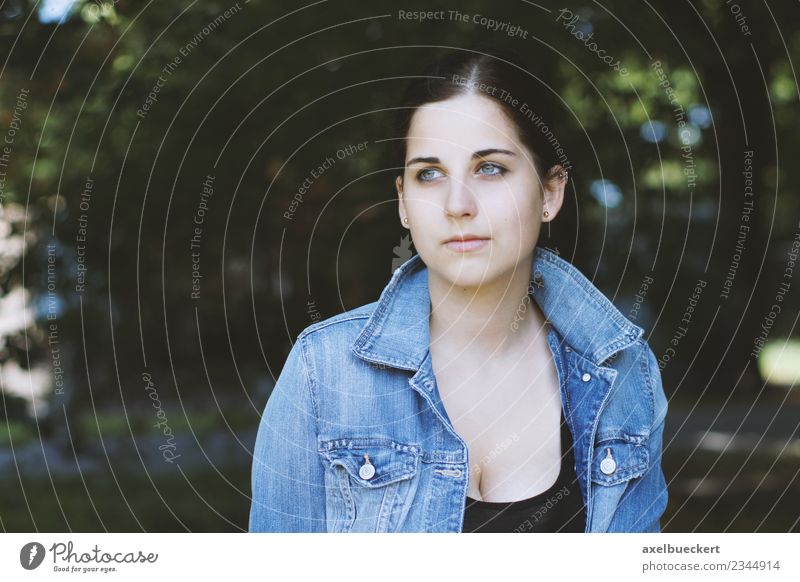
(619, 459)
(391, 461)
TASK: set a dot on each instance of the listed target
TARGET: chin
(469, 272)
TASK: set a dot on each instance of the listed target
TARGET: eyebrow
(476, 155)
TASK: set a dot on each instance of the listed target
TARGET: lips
(466, 243)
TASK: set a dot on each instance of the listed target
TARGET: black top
(558, 509)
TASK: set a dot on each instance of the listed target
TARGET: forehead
(467, 122)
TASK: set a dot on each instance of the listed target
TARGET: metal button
(586, 377)
(608, 465)
(367, 470)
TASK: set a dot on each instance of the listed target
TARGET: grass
(202, 502)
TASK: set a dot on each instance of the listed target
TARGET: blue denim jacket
(361, 383)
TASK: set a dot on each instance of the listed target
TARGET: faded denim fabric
(361, 383)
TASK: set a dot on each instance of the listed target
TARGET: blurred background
(169, 223)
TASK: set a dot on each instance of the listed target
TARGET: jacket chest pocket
(616, 461)
(369, 483)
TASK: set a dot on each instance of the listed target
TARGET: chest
(508, 412)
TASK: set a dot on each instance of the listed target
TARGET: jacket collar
(397, 332)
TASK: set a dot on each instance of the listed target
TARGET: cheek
(517, 231)
(515, 216)
(424, 227)
(410, 204)
(421, 210)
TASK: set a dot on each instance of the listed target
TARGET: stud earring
(546, 214)
(405, 220)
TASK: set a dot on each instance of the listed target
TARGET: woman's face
(471, 193)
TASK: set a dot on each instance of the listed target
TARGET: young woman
(491, 387)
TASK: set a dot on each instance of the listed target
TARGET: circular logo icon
(31, 555)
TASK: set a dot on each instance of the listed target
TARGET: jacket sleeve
(288, 474)
(645, 499)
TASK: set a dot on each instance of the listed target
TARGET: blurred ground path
(217, 448)
(738, 428)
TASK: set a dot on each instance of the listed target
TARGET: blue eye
(427, 175)
(497, 170)
(486, 169)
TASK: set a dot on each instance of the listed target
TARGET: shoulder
(654, 383)
(638, 381)
(342, 326)
(325, 345)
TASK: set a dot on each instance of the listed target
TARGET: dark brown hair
(492, 72)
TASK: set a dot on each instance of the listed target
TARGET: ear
(398, 184)
(554, 187)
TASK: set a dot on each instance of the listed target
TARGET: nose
(460, 202)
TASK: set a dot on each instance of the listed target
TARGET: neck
(494, 318)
